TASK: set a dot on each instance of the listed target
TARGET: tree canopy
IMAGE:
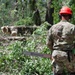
(30, 12)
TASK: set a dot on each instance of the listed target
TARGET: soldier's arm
(49, 41)
(74, 41)
(74, 48)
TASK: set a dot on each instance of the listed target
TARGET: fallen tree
(18, 30)
(12, 38)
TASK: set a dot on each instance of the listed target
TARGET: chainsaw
(37, 54)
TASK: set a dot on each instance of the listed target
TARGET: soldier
(60, 41)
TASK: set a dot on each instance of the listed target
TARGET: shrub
(28, 21)
(16, 62)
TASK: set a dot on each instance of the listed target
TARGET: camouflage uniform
(61, 37)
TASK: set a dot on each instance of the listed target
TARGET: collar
(64, 21)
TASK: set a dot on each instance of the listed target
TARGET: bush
(15, 62)
(28, 21)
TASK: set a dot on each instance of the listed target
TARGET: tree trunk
(18, 30)
(36, 17)
(16, 4)
(49, 13)
(35, 11)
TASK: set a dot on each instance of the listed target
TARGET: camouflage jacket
(61, 36)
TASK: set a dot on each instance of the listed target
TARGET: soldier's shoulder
(56, 25)
(70, 24)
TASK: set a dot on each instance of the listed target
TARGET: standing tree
(49, 12)
(35, 11)
(36, 17)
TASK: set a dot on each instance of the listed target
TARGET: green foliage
(38, 39)
(12, 59)
(28, 21)
(37, 67)
(21, 11)
(4, 19)
(73, 10)
(56, 10)
(15, 62)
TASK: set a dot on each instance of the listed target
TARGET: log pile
(18, 30)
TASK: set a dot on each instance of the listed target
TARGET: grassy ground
(14, 62)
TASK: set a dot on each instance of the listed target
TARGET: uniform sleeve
(49, 40)
(74, 36)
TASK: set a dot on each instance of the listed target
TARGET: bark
(12, 38)
(16, 4)
(49, 13)
(35, 11)
(36, 17)
(16, 38)
(32, 4)
(18, 30)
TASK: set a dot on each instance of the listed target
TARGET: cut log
(18, 30)
(12, 38)
(16, 38)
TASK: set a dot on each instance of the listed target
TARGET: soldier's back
(63, 35)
